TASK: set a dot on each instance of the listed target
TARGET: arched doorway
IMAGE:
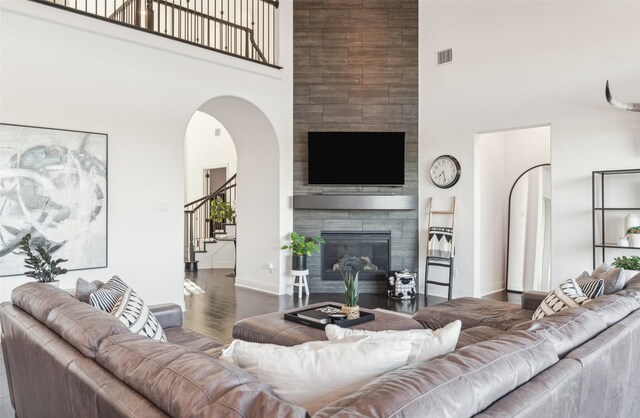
(258, 191)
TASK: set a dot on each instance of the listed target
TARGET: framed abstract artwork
(53, 185)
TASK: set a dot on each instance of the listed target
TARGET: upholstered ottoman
(274, 329)
(473, 313)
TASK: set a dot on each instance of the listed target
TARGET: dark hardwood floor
(222, 304)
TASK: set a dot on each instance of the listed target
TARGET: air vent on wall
(444, 56)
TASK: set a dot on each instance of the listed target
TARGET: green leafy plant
(221, 210)
(299, 244)
(634, 230)
(627, 263)
(350, 287)
(45, 268)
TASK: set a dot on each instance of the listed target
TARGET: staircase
(209, 220)
(246, 29)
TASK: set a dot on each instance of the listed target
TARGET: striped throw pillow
(107, 296)
(135, 314)
(592, 288)
(567, 295)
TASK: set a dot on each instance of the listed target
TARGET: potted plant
(631, 264)
(350, 307)
(634, 236)
(45, 268)
(301, 247)
(219, 211)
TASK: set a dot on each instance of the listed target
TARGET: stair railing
(246, 29)
(199, 228)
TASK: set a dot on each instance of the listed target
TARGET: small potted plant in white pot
(301, 248)
(631, 265)
(350, 307)
(634, 236)
(45, 268)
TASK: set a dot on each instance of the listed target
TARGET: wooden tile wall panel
(356, 69)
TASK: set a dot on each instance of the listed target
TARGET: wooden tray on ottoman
(315, 318)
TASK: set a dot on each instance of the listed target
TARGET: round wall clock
(445, 171)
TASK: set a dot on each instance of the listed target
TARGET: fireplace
(369, 252)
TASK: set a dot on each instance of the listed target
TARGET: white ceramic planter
(634, 240)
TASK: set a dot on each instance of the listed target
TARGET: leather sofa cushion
(631, 288)
(610, 370)
(458, 384)
(554, 393)
(168, 315)
(566, 329)
(477, 334)
(190, 339)
(612, 308)
(184, 383)
(84, 326)
(39, 299)
(473, 312)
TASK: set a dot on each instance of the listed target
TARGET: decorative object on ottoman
(402, 285)
(350, 307)
(634, 236)
(301, 248)
(45, 268)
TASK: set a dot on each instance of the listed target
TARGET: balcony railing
(245, 29)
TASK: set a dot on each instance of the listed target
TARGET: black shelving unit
(602, 209)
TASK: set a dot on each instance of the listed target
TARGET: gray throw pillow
(614, 278)
(85, 288)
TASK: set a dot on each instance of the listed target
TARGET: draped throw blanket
(439, 248)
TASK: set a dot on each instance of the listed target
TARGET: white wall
(203, 150)
(63, 70)
(529, 63)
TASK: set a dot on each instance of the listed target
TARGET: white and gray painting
(53, 184)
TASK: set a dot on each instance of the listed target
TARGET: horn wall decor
(633, 107)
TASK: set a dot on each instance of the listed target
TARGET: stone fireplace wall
(356, 69)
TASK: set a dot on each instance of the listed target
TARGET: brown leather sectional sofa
(67, 359)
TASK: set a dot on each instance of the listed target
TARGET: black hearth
(366, 251)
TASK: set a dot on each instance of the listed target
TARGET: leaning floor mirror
(529, 231)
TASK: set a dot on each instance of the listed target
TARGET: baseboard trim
(273, 288)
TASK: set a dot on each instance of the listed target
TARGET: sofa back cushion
(39, 299)
(612, 308)
(84, 326)
(184, 383)
(631, 288)
(461, 383)
(566, 329)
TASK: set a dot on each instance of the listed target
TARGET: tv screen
(356, 158)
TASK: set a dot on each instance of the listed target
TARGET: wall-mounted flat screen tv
(356, 158)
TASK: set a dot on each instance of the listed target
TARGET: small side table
(301, 275)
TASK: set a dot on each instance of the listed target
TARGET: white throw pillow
(135, 314)
(425, 343)
(314, 374)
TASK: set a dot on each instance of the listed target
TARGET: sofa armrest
(531, 299)
(168, 314)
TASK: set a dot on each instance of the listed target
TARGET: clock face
(445, 171)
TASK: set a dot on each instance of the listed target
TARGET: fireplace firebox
(368, 252)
